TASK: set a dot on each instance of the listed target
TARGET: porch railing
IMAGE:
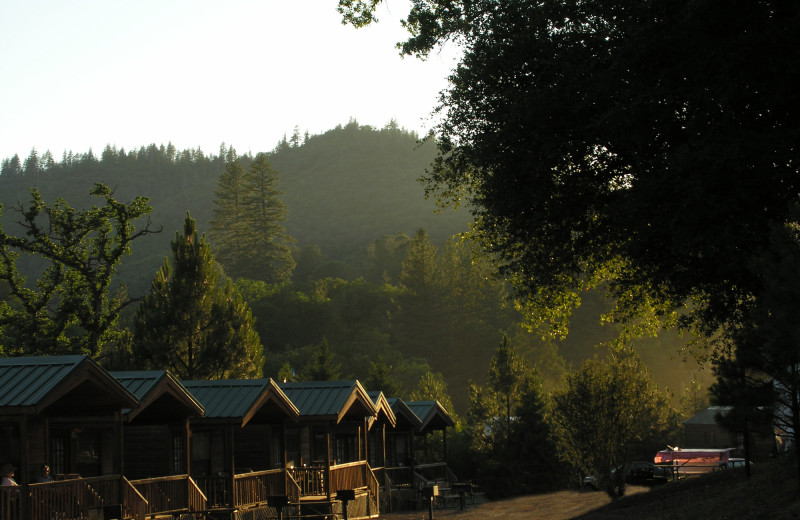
(352, 475)
(400, 476)
(216, 490)
(170, 494)
(436, 472)
(9, 503)
(310, 480)
(75, 498)
(256, 487)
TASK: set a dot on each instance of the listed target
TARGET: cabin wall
(253, 448)
(148, 451)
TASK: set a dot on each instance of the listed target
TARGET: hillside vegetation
(354, 201)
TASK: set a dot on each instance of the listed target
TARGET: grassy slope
(771, 492)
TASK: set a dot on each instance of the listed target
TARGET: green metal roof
(150, 385)
(239, 399)
(403, 413)
(432, 414)
(333, 400)
(33, 383)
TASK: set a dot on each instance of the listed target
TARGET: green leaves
(71, 307)
(608, 412)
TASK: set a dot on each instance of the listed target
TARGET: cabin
(378, 429)
(431, 460)
(64, 411)
(156, 440)
(238, 445)
(156, 433)
(326, 452)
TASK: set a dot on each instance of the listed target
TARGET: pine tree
(324, 366)
(507, 375)
(249, 237)
(270, 257)
(420, 322)
(193, 322)
(228, 224)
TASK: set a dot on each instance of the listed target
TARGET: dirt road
(561, 505)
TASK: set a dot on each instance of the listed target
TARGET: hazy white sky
(82, 74)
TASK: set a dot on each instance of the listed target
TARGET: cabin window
(346, 448)
(178, 454)
(277, 450)
(59, 453)
(292, 447)
(398, 451)
(320, 445)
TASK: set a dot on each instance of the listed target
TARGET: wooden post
(188, 445)
(328, 459)
(444, 440)
(229, 447)
(25, 476)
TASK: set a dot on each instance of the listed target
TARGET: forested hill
(351, 185)
(343, 189)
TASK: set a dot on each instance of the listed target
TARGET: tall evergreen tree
(270, 257)
(324, 366)
(419, 320)
(248, 229)
(229, 224)
(507, 374)
(193, 322)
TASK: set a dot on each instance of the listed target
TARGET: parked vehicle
(641, 473)
(734, 462)
(693, 461)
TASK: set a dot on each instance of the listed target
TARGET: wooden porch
(83, 498)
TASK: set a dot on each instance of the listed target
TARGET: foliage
(652, 144)
(508, 433)
(381, 379)
(73, 307)
(433, 387)
(507, 375)
(194, 323)
(247, 228)
(608, 412)
(760, 375)
(323, 366)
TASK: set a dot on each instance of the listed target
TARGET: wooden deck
(257, 495)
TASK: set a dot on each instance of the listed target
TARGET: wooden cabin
(64, 411)
(238, 445)
(327, 450)
(156, 432)
(378, 426)
(400, 445)
(156, 441)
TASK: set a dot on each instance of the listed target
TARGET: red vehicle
(692, 461)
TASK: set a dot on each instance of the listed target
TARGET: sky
(90, 73)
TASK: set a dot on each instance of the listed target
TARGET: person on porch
(7, 473)
(44, 474)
